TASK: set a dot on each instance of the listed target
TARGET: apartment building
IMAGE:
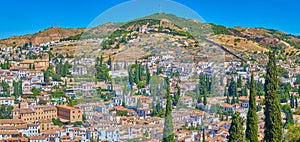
(72, 114)
(34, 113)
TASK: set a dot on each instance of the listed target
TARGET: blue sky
(19, 17)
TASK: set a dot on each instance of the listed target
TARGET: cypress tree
(20, 90)
(138, 103)
(123, 101)
(109, 61)
(15, 84)
(236, 130)
(288, 115)
(239, 82)
(251, 126)
(227, 99)
(205, 99)
(203, 85)
(244, 91)
(208, 84)
(203, 135)
(233, 100)
(97, 62)
(168, 134)
(154, 109)
(296, 102)
(140, 72)
(232, 89)
(130, 76)
(273, 121)
(177, 95)
(136, 77)
(148, 74)
(158, 109)
(292, 102)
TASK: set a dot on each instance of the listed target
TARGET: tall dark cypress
(292, 101)
(251, 126)
(203, 135)
(273, 121)
(168, 134)
(123, 101)
(236, 130)
(296, 102)
(205, 99)
(177, 95)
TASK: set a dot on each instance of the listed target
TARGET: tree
(84, 118)
(6, 112)
(244, 91)
(204, 100)
(168, 134)
(177, 95)
(208, 84)
(136, 73)
(20, 90)
(130, 76)
(203, 135)
(239, 82)
(140, 86)
(293, 134)
(140, 72)
(42, 102)
(46, 76)
(203, 85)
(236, 130)
(109, 62)
(64, 71)
(233, 100)
(296, 102)
(148, 74)
(5, 87)
(273, 121)
(297, 81)
(101, 61)
(288, 115)
(227, 96)
(232, 89)
(16, 89)
(138, 103)
(146, 134)
(292, 101)
(251, 124)
(123, 101)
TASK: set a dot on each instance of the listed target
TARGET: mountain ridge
(237, 39)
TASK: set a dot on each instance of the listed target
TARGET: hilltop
(248, 43)
(47, 35)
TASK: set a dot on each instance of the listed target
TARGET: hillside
(51, 34)
(247, 43)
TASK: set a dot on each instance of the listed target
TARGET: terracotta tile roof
(9, 132)
(50, 133)
(11, 121)
(37, 137)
